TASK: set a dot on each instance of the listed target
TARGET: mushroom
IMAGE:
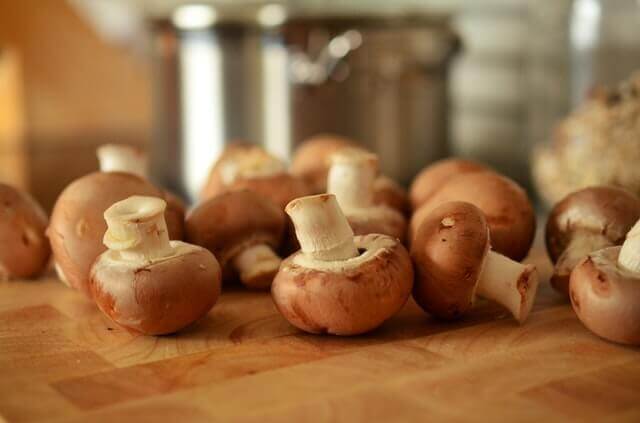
(351, 179)
(339, 283)
(605, 291)
(24, 250)
(312, 160)
(505, 204)
(250, 167)
(129, 159)
(586, 221)
(77, 225)
(242, 229)
(146, 283)
(454, 264)
(432, 177)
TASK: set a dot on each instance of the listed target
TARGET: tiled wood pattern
(61, 360)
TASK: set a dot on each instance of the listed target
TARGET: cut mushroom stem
(257, 263)
(122, 158)
(321, 228)
(137, 229)
(509, 283)
(629, 257)
(351, 178)
(577, 249)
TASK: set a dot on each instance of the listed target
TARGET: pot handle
(306, 71)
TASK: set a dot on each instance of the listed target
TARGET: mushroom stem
(137, 229)
(321, 228)
(122, 158)
(509, 283)
(629, 257)
(351, 178)
(255, 262)
(577, 249)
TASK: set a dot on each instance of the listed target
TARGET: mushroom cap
(377, 220)
(606, 297)
(605, 210)
(236, 161)
(347, 297)
(279, 188)
(312, 158)
(157, 298)
(24, 250)
(448, 253)
(77, 223)
(387, 192)
(432, 177)
(231, 222)
(505, 204)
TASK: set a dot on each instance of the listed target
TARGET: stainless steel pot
(273, 77)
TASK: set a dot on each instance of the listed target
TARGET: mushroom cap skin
(312, 158)
(505, 204)
(280, 188)
(432, 177)
(24, 249)
(77, 224)
(347, 297)
(605, 210)
(448, 259)
(387, 192)
(377, 220)
(233, 221)
(606, 297)
(174, 215)
(160, 297)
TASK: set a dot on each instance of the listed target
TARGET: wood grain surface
(62, 360)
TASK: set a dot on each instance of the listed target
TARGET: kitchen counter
(62, 360)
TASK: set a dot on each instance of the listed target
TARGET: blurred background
(413, 80)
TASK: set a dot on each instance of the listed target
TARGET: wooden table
(60, 359)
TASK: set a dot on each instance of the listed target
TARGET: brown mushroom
(351, 179)
(338, 283)
(586, 221)
(242, 229)
(24, 250)
(312, 160)
(146, 283)
(431, 178)
(605, 291)
(250, 167)
(77, 224)
(505, 204)
(129, 159)
(453, 265)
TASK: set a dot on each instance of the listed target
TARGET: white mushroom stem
(351, 178)
(629, 257)
(122, 158)
(509, 283)
(255, 261)
(137, 229)
(578, 248)
(321, 228)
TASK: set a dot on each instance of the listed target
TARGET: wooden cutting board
(61, 360)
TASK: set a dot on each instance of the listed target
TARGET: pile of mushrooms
(116, 238)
